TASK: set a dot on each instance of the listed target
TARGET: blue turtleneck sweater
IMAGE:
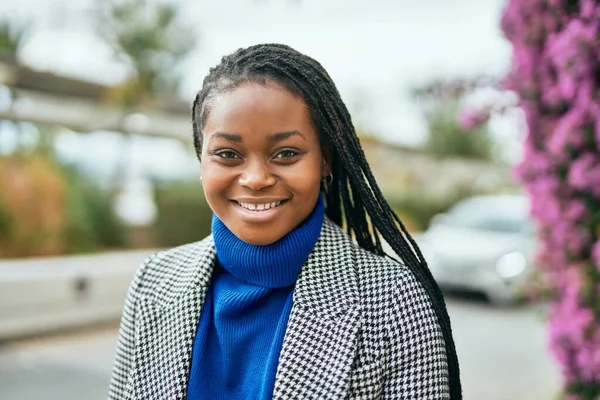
(245, 314)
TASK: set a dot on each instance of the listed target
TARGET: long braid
(353, 198)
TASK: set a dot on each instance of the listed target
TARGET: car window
(496, 214)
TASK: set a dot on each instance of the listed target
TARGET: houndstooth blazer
(361, 327)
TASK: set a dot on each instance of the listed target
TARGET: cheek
(304, 184)
(204, 169)
(305, 190)
(214, 182)
(304, 178)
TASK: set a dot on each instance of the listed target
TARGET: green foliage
(447, 139)
(583, 390)
(5, 223)
(183, 214)
(11, 38)
(47, 208)
(78, 225)
(90, 220)
(441, 101)
(149, 37)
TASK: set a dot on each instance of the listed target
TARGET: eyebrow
(279, 136)
(229, 136)
(273, 137)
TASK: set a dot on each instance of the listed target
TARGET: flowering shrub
(45, 209)
(556, 73)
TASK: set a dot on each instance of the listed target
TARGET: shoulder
(381, 276)
(382, 281)
(397, 308)
(175, 266)
(390, 293)
(401, 327)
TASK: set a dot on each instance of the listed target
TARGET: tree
(148, 37)
(12, 37)
(556, 73)
(447, 136)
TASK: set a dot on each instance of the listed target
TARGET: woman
(280, 302)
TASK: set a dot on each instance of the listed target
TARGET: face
(261, 161)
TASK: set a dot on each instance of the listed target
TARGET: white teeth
(259, 207)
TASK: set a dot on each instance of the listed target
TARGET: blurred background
(97, 167)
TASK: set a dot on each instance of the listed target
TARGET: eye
(226, 154)
(286, 153)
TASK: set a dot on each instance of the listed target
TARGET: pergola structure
(46, 98)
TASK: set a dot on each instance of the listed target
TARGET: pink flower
(589, 9)
(577, 239)
(596, 255)
(532, 118)
(524, 66)
(472, 119)
(572, 45)
(569, 320)
(595, 115)
(544, 207)
(568, 134)
(575, 211)
(571, 52)
(555, 64)
(584, 173)
(553, 95)
(588, 359)
(534, 164)
(511, 20)
(549, 257)
(572, 239)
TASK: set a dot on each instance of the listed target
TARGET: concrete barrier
(41, 295)
(46, 294)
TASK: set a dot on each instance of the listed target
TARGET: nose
(257, 176)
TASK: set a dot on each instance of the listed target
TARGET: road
(502, 355)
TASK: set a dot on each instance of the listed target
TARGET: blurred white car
(483, 244)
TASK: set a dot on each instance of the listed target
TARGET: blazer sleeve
(418, 363)
(125, 350)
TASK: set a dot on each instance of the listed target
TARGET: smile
(259, 207)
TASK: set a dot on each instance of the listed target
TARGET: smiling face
(261, 161)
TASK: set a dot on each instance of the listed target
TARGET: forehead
(257, 107)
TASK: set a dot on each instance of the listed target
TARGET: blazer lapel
(321, 338)
(167, 326)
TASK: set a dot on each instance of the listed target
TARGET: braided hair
(353, 198)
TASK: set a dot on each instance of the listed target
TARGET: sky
(374, 50)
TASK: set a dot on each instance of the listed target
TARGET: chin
(258, 238)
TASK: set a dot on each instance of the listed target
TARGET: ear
(326, 165)
(325, 169)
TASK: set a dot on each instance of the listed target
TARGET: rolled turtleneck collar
(274, 265)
